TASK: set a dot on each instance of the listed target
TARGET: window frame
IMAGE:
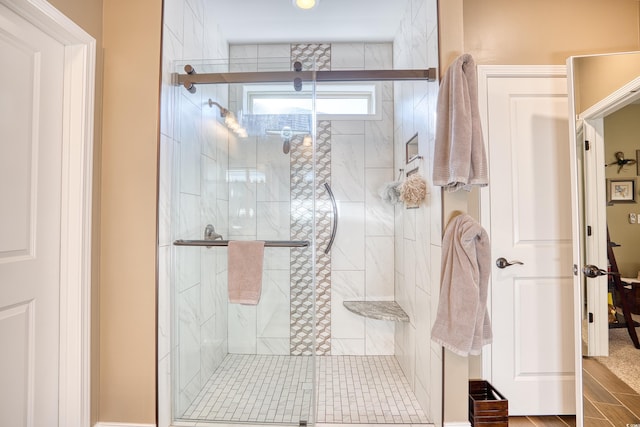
(369, 90)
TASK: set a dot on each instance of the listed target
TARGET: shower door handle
(334, 229)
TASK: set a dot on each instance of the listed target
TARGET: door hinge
(588, 230)
(587, 146)
(590, 317)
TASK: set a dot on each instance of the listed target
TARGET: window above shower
(349, 101)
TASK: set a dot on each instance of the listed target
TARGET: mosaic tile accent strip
(307, 52)
(301, 317)
(324, 213)
(278, 389)
(302, 195)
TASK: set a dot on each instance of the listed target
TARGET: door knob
(503, 263)
(592, 271)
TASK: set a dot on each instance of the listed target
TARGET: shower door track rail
(267, 243)
(191, 77)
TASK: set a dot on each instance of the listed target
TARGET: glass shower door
(271, 180)
(254, 363)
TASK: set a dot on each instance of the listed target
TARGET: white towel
(462, 322)
(245, 259)
(459, 159)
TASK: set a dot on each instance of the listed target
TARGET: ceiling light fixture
(305, 4)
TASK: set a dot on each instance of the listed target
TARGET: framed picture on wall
(621, 190)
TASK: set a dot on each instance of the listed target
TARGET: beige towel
(459, 159)
(245, 271)
(462, 322)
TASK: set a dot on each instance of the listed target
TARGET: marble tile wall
(362, 256)
(259, 208)
(193, 192)
(418, 231)
(361, 161)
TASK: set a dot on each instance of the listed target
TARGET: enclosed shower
(277, 143)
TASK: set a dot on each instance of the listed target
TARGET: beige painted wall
(621, 130)
(132, 40)
(124, 204)
(547, 31)
(507, 32)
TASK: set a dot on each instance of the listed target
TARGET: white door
(31, 104)
(529, 221)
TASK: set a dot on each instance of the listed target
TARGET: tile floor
(256, 388)
(365, 390)
(278, 389)
(607, 399)
(608, 402)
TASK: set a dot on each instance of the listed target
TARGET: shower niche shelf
(379, 310)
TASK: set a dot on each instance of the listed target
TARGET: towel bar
(267, 243)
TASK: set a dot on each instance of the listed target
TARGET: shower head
(223, 111)
(229, 119)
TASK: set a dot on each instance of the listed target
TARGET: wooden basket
(487, 407)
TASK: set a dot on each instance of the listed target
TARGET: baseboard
(457, 424)
(101, 424)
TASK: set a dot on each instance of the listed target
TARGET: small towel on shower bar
(459, 159)
(245, 271)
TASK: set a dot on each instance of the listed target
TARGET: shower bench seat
(380, 310)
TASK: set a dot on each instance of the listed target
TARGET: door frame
(590, 122)
(76, 184)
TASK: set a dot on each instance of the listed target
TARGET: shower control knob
(297, 66)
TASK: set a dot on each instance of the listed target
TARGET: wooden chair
(624, 293)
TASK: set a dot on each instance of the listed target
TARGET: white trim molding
(457, 424)
(77, 160)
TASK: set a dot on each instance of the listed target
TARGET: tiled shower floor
(278, 389)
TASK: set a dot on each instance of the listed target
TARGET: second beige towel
(462, 321)
(245, 271)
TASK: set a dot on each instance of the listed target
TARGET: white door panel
(16, 151)
(532, 356)
(31, 83)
